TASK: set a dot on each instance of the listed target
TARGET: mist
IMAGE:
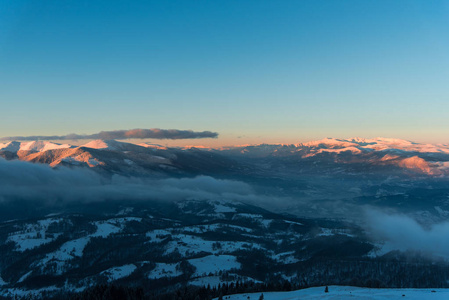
(26, 186)
(402, 232)
(36, 184)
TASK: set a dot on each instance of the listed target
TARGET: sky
(253, 71)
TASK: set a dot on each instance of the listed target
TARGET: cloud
(29, 190)
(153, 133)
(36, 183)
(401, 232)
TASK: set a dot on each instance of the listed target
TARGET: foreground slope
(349, 292)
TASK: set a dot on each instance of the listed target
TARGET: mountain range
(365, 212)
(151, 159)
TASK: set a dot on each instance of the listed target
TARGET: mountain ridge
(430, 159)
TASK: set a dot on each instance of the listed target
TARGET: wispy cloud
(26, 187)
(401, 232)
(153, 133)
(28, 181)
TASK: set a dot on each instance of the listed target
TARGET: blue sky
(254, 71)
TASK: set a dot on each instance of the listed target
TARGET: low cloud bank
(154, 133)
(401, 232)
(26, 181)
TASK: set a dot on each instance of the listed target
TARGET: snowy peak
(330, 143)
(100, 144)
(42, 146)
(421, 158)
(417, 163)
(11, 146)
(111, 145)
(375, 153)
(377, 144)
(34, 146)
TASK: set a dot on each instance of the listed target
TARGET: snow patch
(33, 235)
(348, 292)
(164, 270)
(75, 248)
(42, 146)
(220, 208)
(295, 223)
(24, 277)
(119, 272)
(214, 264)
(286, 257)
(331, 232)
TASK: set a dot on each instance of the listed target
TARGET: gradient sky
(254, 71)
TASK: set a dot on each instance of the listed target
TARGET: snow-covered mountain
(387, 172)
(377, 144)
(422, 158)
(380, 154)
(115, 157)
(33, 146)
(333, 145)
(111, 145)
(263, 214)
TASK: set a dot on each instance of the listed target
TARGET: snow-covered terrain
(337, 155)
(107, 145)
(214, 264)
(353, 145)
(119, 272)
(33, 235)
(262, 213)
(165, 270)
(378, 144)
(348, 292)
(159, 243)
(34, 146)
(10, 146)
(75, 248)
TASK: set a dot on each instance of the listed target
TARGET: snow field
(348, 292)
(285, 257)
(183, 243)
(115, 273)
(33, 235)
(214, 264)
(37, 146)
(75, 248)
(164, 270)
(211, 264)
